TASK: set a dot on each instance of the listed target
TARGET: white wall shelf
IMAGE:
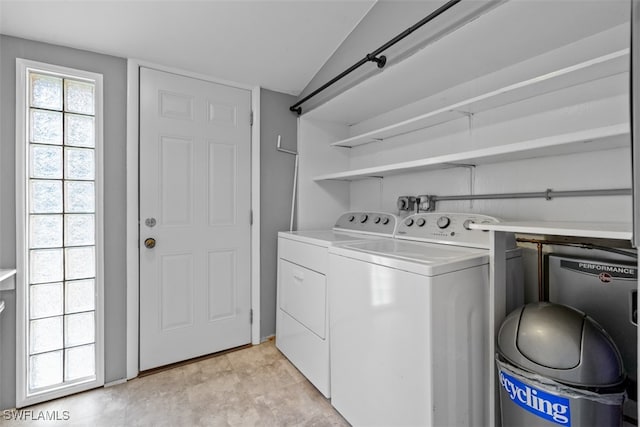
(601, 230)
(600, 67)
(604, 138)
(6, 273)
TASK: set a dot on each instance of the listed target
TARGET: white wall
(571, 106)
(599, 103)
(320, 203)
(582, 107)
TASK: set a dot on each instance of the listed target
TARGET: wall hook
(284, 150)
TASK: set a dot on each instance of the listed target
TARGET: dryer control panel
(447, 228)
(381, 223)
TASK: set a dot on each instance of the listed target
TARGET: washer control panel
(367, 222)
(451, 228)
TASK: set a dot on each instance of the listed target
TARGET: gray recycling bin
(557, 366)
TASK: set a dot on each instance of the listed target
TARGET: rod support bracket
(381, 60)
(298, 110)
(547, 194)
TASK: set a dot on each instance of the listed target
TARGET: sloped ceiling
(279, 45)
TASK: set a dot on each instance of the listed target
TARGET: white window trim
(22, 99)
(132, 246)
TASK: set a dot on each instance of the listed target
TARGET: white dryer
(409, 324)
(302, 321)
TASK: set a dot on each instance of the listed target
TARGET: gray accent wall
(276, 185)
(114, 71)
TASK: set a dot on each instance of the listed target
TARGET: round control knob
(443, 222)
(421, 222)
(351, 218)
(385, 221)
(467, 223)
(377, 220)
(364, 218)
(408, 222)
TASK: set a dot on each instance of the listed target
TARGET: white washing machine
(302, 321)
(409, 324)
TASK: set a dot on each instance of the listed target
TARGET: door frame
(133, 204)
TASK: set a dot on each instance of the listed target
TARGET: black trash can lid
(561, 343)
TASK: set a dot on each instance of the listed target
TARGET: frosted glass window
(79, 97)
(79, 230)
(79, 197)
(46, 300)
(79, 263)
(46, 162)
(46, 196)
(60, 226)
(80, 296)
(79, 130)
(45, 334)
(45, 370)
(79, 329)
(78, 163)
(45, 265)
(46, 127)
(46, 91)
(79, 362)
(45, 231)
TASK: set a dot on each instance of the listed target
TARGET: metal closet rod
(373, 56)
(548, 194)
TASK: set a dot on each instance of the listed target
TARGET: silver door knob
(150, 243)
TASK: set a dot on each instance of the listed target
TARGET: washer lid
(325, 237)
(428, 259)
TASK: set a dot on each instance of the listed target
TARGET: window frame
(23, 68)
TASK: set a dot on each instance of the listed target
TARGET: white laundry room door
(195, 231)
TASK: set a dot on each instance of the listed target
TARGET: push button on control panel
(421, 222)
(364, 218)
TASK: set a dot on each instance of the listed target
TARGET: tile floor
(255, 386)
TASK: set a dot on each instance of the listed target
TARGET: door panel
(195, 140)
(222, 184)
(177, 177)
(176, 291)
(222, 299)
